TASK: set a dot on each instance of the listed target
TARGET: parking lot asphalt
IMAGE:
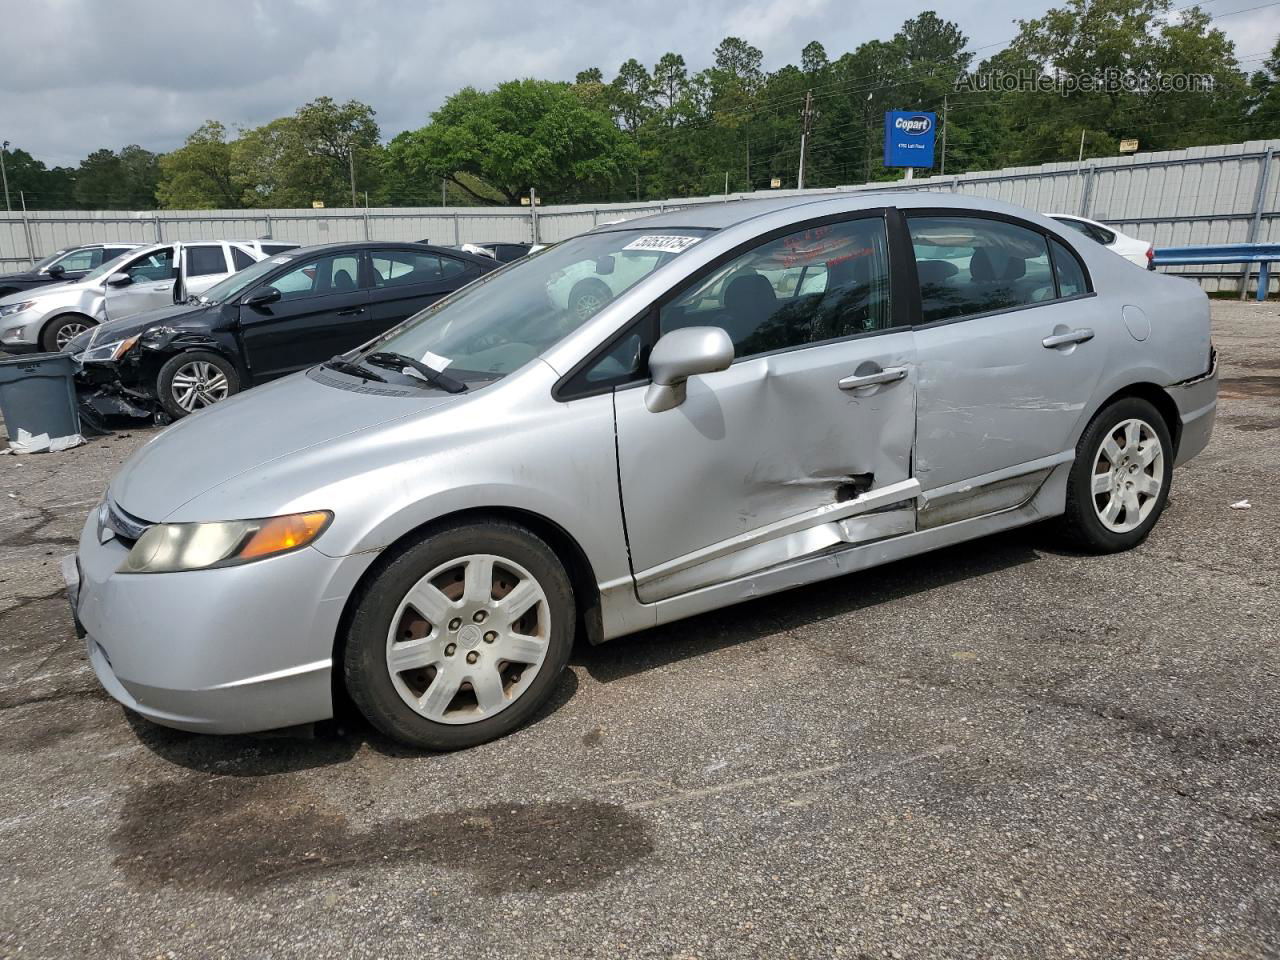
(1005, 749)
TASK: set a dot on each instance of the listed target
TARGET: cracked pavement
(1003, 749)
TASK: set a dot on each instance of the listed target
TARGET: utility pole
(806, 118)
(748, 166)
(637, 184)
(4, 176)
(943, 171)
(443, 183)
(1080, 159)
(351, 158)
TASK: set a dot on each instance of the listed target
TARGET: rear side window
(205, 260)
(240, 258)
(1068, 271)
(818, 284)
(395, 268)
(971, 265)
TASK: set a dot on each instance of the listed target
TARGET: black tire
(590, 294)
(169, 399)
(63, 328)
(369, 681)
(1081, 525)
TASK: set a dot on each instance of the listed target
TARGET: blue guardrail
(1263, 254)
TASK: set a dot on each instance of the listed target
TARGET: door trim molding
(871, 500)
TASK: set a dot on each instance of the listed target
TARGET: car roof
(731, 213)
(356, 246)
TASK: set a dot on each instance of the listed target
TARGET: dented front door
(762, 462)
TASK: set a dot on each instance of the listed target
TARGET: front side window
(972, 265)
(336, 274)
(504, 319)
(205, 260)
(155, 266)
(81, 261)
(818, 284)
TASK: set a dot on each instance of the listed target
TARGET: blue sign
(908, 138)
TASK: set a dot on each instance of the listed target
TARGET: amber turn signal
(285, 533)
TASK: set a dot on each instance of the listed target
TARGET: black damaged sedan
(280, 315)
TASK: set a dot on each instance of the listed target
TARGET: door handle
(353, 312)
(1083, 335)
(887, 375)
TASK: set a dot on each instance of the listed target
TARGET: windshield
(506, 318)
(228, 288)
(107, 267)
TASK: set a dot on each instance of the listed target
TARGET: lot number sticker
(658, 243)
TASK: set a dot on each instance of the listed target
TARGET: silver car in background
(141, 279)
(794, 390)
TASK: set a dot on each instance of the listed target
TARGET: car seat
(749, 301)
(342, 281)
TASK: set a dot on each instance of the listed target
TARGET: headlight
(171, 547)
(108, 351)
(9, 309)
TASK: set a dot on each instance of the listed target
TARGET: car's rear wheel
(60, 331)
(1119, 483)
(461, 637)
(194, 380)
(588, 297)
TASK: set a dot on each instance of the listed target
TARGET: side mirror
(260, 298)
(119, 280)
(57, 270)
(682, 354)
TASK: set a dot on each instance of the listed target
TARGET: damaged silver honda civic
(763, 394)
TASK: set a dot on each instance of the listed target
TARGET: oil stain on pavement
(239, 835)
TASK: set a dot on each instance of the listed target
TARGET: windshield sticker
(281, 259)
(435, 361)
(662, 243)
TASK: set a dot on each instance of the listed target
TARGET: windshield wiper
(398, 361)
(346, 366)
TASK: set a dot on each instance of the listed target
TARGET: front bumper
(1197, 401)
(233, 650)
(20, 332)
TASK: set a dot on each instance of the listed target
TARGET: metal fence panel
(1227, 193)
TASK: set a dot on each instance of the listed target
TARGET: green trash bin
(38, 395)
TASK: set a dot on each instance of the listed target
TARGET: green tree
(34, 184)
(344, 134)
(198, 175)
(523, 134)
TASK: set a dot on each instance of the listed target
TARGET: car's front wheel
(458, 639)
(61, 330)
(1119, 483)
(190, 381)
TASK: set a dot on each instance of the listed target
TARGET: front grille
(125, 525)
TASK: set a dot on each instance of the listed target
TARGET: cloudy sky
(94, 74)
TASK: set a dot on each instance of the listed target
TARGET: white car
(1131, 248)
(142, 279)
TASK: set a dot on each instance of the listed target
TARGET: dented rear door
(784, 455)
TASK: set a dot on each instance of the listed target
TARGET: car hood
(17, 275)
(269, 423)
(112, 330)
(44, 290)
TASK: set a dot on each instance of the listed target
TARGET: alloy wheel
(468, 639)
(1128, 474)
(68, 332)
(587, 305)
(198, 384)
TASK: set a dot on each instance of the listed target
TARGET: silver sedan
(765, 394)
